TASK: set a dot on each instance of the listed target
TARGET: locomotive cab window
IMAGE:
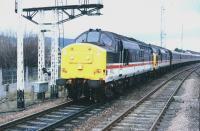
(93, 36)
(81, 38)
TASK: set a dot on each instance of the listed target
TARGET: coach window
(81, 38)
(106, 40)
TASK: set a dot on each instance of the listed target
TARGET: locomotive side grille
(112, 57)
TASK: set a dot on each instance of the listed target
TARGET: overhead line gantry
(85, 9)
(68, 12)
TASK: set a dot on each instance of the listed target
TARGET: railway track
(176, 106)
(147, 112)
(48, 119)
(82, 119)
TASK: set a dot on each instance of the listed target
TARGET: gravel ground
(122, 104)
(6, 117)
(188, 97)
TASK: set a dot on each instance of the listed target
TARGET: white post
(41, 49)
(20, 58)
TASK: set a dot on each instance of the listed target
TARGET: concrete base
(20, 99)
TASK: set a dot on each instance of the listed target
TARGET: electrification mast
(57, 33)
(41, 47)
(182, 37)
(60, 16)
(20, 57)
(163, 25)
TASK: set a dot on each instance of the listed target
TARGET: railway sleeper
(120, 128)
(141, 115)
(133, 121)
(134, 125)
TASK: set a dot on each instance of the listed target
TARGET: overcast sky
(134, 18)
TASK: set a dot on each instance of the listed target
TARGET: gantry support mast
(41, 52)
(54, 56)
(57, 34)
(41, 47)
(163, 25)
(20, 57)
(60, 16)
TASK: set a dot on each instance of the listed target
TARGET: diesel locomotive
(100, 64)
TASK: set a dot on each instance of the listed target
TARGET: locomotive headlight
(72, 49)
(64, 70)
(80, 67)
(97, 71)
(71, 58)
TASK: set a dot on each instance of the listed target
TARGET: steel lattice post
(54, 57)
(20, 59)
(41, 49)
(41, 52)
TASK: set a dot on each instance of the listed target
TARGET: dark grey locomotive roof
(127, 42)
(113, 38)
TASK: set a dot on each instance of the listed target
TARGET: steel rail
(66, 119)
(32, 116)
(153, 127)
(125, 113)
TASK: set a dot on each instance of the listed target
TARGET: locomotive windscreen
(81, 38)
(93, 36)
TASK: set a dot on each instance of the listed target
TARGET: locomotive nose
(83, 60)
(78, 57)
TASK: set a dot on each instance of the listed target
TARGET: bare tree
(8, 50)
(30, 50)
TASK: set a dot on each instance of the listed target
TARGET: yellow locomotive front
(83, 61)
